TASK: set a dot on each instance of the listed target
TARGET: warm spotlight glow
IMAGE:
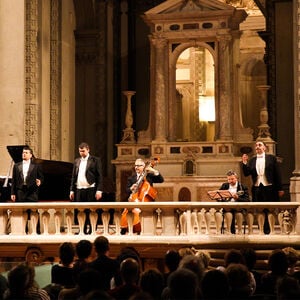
(207, 108)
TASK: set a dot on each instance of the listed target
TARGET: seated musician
(144, 175)
(239, 194)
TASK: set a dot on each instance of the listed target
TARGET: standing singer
(144, 175)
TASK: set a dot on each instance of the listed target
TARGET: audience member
(278, 267)
(171, 259)
(239, 281)
(62, 273)
(205, 257)
(215, 285)
(83, 251)
(292, 257)
(182, 284)
(21, 284)
(194, 264)
(288, 288)
(126, 252)
(232, 256)
(3, 285)
(106, 266)
(152, 282)
(129, 270)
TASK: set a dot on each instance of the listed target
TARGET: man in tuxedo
(266, 178)
(239, 193)
(86, 182)
(26, 179)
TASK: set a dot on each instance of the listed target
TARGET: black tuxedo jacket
(17, 183)
(93, 172)
(240, 187)
(272, 171)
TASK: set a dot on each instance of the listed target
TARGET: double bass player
(140, 189)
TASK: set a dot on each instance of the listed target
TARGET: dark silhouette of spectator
(293, 257)
(232, 256)
(250, 258)
(194, 264)
(278, 266)
(99, 295)
(83, 251)
(141, 296)
(205, 257)
(129, 270)
(62, 273)
(106, 266)
(214, 285)
(3, 285)
(126, 252)
(88, 280)
(182, 284)
(239, 281)
(171, 259)
(288, 288)
(152, 282)
(21, 284)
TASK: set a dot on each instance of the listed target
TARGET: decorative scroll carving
(31, 75)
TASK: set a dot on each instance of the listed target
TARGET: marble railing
(157, 218)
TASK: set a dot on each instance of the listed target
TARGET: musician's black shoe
(123, 231)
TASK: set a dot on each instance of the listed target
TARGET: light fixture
(207, 108)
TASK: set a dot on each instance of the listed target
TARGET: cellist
(134, 185)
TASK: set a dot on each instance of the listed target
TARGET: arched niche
(193, 65)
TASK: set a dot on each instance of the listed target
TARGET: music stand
(220, 195)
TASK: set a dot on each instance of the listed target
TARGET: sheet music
(220, 195)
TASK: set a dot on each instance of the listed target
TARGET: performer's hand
(280, 194)
(38, 182)
(13, 198)
(133, 187)
(71, 196)
(98, 195)
(245, 158)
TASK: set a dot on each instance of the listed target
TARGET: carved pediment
(179, 6)
(194, 15)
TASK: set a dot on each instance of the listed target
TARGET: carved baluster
(271, 220)
(34, 217)
(81, 220)
(57, 221)
(105, 222)
(194, 222)
(117, 219)
(129, 217)
(218, 220)
(45, 221)
(69, 221)
(207, 216)
(93, 215)
(183, 223)
(200, 219)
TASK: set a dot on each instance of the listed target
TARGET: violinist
(144, 175)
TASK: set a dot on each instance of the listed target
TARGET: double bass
(143, 192)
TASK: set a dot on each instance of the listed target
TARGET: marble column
(224, 107)
(160, 90)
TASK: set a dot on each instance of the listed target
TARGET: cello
(143, 192)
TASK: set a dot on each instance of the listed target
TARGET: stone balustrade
(157, 218)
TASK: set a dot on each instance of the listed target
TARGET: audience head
(288, 288)
(129, 270)
(152, 282)
(84, 249)
(233, 256)
(292, 256)
(249, 255)
(186, 251)
(88, 280)
(239, 279)
(194, 264)
(214, 285)
(183, 284)
(278, 262)
(66, 253)
(205, 257)
(101, 245)
(172, 259)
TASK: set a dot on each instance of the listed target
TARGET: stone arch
(184, 194)
(190, 130)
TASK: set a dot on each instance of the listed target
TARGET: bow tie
(259, 156)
